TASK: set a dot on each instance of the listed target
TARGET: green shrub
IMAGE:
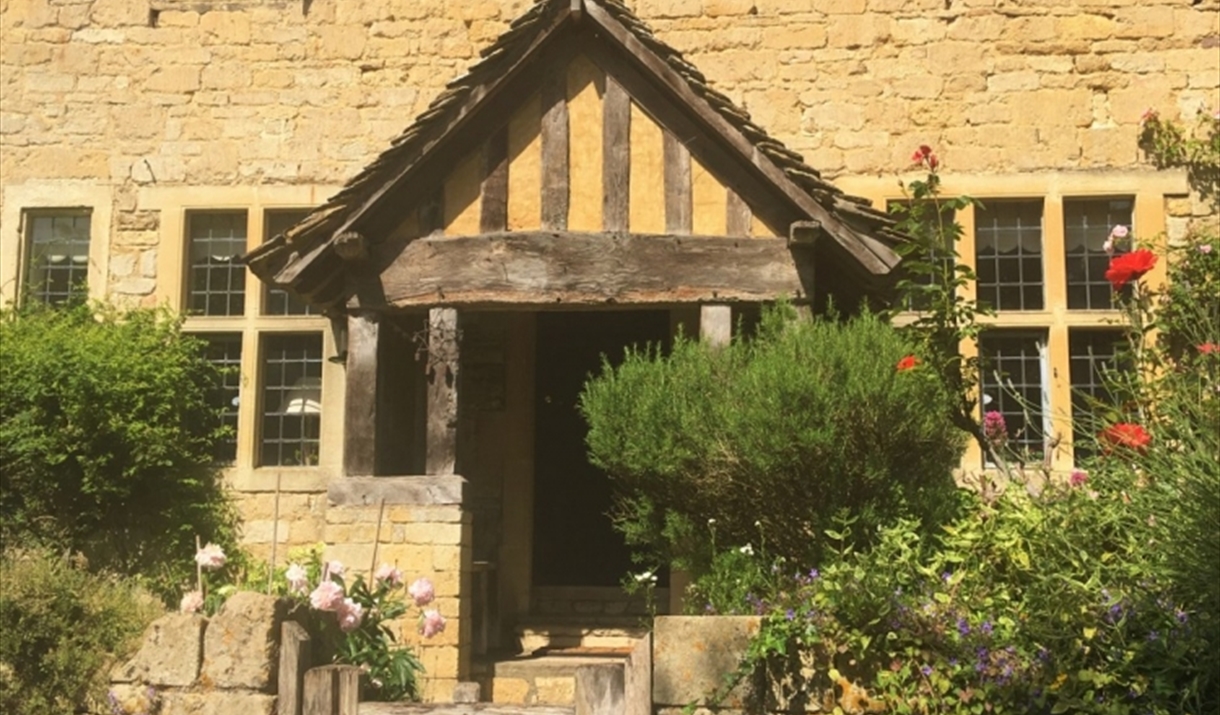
(61, 628)
(107, 428)
(768, 439)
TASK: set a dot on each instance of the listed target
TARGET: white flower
(1108, 246)
(747, 550)
(191, 602)
(327, 596)
(647, 576)
(711, 522)
(432, 624)
(210, 557)
(350, 615)
(422, 592)
(298, 580)
(334, 568)
(389, 575)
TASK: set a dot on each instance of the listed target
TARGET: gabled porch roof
(782, 189)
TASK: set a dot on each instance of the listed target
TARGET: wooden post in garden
(294, 661)
(332, 690)
(441, 451)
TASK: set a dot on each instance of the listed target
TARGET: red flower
(1208, 348)
(1125, 435)
(933, 162)
(907, 363)
(925, 150)
(1129, 267)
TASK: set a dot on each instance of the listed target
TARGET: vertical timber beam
(360, 404)
(677, 179)
(441, 451)
(555, 188)
(493, 215)
(616, 157)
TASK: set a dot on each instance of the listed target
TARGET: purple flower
(790, 615)
(963, 627)
(1181, 616)
(1154, 635)
(814, 574)
(995, 428)
(926, 670)
(946, 576)
(986, 628)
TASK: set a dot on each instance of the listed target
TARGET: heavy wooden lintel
(564, 267)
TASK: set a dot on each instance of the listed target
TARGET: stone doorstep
(542, 680)
(557, 633)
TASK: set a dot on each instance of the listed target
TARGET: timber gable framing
(764, 179)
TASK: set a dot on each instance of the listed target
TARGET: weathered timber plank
(716, 324)
(321, 691)
(360, 403)
(294, 661)
(349, 691)
(494, 209)
(441, 449)
(738, 217)
(731, 143)
(678, 198)
(555, 177)
(594, 268)
(616, 156)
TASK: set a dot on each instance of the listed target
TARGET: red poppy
(1129, 267)
(1208, 348)
(925, 150)
(907, 363)
(1125, 435)
(933, 162)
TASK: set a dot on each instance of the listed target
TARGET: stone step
(539, 679)
(554, 633)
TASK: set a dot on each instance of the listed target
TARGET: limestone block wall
(425, 533)
(194, 665)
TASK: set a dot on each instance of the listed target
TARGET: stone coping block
(169, 654)
(217, 702)
(241, 646)
(429, 490)
(691, 655)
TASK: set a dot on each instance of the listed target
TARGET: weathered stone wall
(425, 533)
(200, 666)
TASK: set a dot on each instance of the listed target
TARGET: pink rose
(192, 602)
(334, 568)
(389, 575)
(422, 591)
(432, 624)
(350, 614)
(298, 580)
(327, 596)
(210, 557)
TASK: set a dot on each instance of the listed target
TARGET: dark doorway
(574, 543)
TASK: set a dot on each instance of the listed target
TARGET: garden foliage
(107, 427)
(61, 628)
(770, 438)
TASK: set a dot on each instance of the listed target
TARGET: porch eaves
(304, 259)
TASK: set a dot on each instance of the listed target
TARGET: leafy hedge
(107, 427)
(61, 628)
(768, 439)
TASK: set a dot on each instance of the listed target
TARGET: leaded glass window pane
(277, 301)
(58, 262)
(1008, 254)
(216, 284)
(292, 399)
(1087, 224)
(1014, 383)
(224, 350)
(1092, 353)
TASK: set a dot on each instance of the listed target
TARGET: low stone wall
(424, 532)
(199, 666)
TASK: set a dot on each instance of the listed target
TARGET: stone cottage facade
(403, 177)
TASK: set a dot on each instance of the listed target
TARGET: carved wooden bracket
(352, 246)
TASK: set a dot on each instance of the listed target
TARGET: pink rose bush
(210, 557)
(422, 592)
(432, 623)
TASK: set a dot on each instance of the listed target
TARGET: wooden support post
(294, 661)
(716, 324)
(493, 214)
(738, 217)
(442, 391)
(360, 418)
(348, 703)
(321, 691)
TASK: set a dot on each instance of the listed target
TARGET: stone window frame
(22, 200)
(175, 204)
(78, 277)
(1149, 190)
